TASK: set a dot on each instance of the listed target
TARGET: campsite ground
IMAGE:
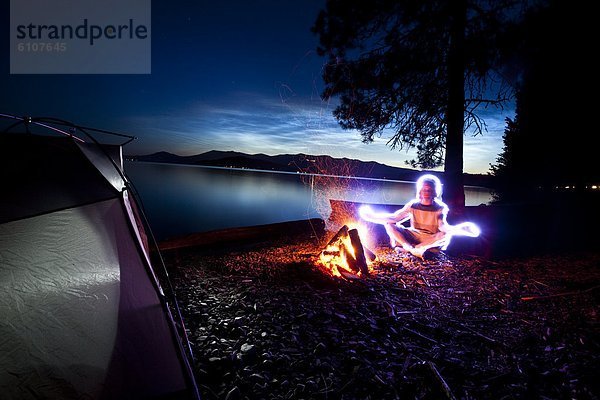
(265, 321)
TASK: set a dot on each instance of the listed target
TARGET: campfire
(346, 256)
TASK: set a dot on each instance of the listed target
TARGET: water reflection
(180, 199)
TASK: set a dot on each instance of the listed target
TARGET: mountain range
(321, 164)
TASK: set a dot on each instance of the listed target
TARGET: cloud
(253, 123)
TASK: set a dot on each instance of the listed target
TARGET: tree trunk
(454, 193)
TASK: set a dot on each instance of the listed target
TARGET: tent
(84, 312)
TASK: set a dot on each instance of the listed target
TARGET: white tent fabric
(105, 162)
(82, 314)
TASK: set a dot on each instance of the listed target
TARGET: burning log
(369, 254)
(345, 252)
(359, 252)
(352, 263)
(343, 232)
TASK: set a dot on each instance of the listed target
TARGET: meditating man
(427, 214)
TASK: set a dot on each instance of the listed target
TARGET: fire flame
(340, 255)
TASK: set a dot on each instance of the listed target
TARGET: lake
(182, 199)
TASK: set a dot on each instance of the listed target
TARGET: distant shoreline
(287, 172)
(302, 164)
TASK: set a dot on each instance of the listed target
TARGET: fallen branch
(477, 333)
(529, 298)
(442, 382)
(346, 385)
(420, 335)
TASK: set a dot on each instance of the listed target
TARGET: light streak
(404, 214)
(430, 177)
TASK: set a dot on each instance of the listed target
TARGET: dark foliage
(550, 143)
(419, 70)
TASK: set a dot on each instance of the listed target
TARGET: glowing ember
(345, 255)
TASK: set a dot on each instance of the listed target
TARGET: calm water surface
(181, 199)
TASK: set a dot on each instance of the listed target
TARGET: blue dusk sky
(228, 75)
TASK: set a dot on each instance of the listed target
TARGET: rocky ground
(266, 322)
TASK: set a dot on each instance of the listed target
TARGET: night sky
(230, 75)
